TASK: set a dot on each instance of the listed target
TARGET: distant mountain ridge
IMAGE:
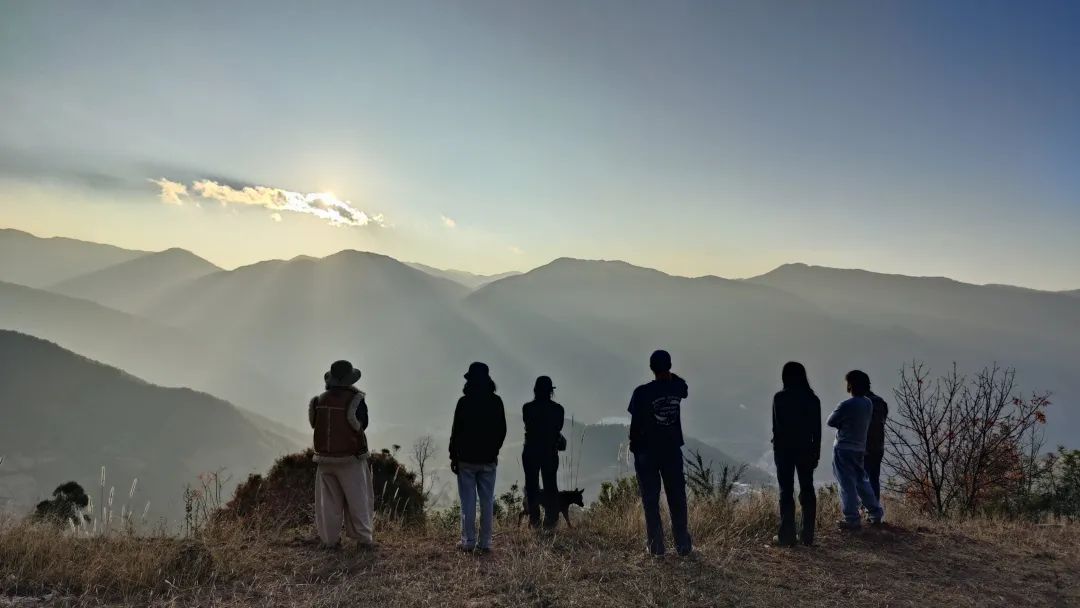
(65, 416)
(468, 279)
(130, 285)
(862, 294)
(149, 349)
(262, 335)
(39, 262)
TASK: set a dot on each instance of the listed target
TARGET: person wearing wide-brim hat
(343, 490)
(544, 419)
(477, 435)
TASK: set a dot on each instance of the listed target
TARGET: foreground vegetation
(980, 516)
(914, 561)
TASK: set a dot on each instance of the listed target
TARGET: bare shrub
(423, 450)
(961, 444)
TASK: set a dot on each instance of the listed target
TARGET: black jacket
(875, 436)
(479, 428)
(543, 423)
(796, 423)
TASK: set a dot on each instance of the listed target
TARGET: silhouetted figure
(875, 442)
(543, 426)
(339, 418)
(796, 439)
(475, 440)
(656, 440)
(851, 419)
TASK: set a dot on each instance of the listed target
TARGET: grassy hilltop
(600, 562)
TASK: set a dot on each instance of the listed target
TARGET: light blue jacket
(851, 419)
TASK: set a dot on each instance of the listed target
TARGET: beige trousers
(343, 494)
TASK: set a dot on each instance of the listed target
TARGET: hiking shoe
(875, 523)
(483, 550)
(466, 548)
(849, 526)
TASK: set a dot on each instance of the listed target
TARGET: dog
(566, 498)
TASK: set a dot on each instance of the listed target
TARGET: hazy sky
(710, 137)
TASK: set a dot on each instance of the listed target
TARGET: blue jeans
(654, 468)
(854, 486)
(476, 480)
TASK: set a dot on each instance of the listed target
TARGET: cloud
(275, 216)
(449, 222)
(323, 205)
(172, 192)
(514, 249)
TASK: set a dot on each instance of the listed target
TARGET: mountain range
(261, 336)
(39, 262)
(66, 416)
(129, 285)
(468, 279)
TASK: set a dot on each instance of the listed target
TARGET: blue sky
(929, 138)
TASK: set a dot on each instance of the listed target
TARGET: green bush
(618, 495)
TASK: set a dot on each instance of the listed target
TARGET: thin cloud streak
(449, 222)
(324, 205)
(172, 192)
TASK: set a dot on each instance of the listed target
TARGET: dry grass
(913, 562)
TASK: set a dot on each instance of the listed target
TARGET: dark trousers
(872, 464)
(540, 464)
(653, 469)
(787, 466)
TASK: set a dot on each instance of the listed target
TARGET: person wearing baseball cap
(656, 440)
(544, 420)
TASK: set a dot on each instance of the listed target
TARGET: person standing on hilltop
(476, 437)
(656, 441)
(544, 419)
(851, 419)
(796, 439)
(875, 442)
(343, 491)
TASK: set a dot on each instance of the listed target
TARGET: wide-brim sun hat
(342, 373)
(477, 371)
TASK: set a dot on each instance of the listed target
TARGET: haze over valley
(254, 342)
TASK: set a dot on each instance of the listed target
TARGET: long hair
(794, 377)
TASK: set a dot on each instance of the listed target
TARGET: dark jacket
(543, 422)
(796, 423)
(875, 436)
(656, 415)
(479, 427)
